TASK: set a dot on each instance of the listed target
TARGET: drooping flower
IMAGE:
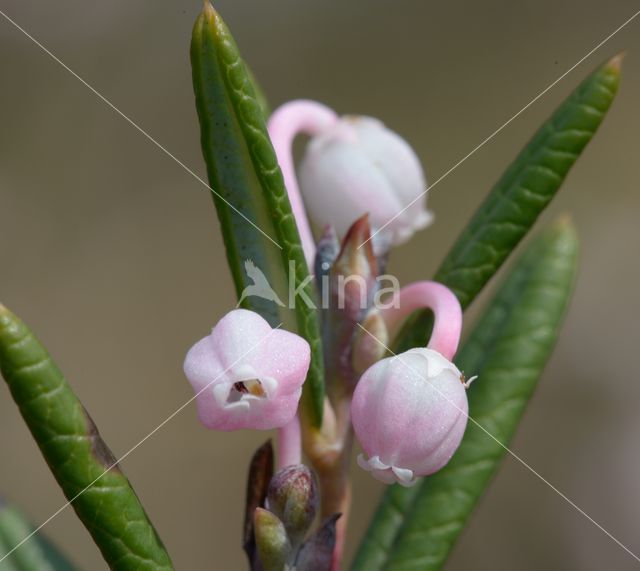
(409, 414)
(355, 166)
(246, 374)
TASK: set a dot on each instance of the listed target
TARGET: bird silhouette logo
(260, 286)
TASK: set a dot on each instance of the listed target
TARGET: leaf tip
(208, 11)
(615, 63)
(564, 221)
(564, 231)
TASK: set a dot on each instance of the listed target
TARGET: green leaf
(76, 454)
(6, 564)
(249, 193)
(53, 555)
(260, 96)
(38, 554)
(13, 528)
(520, 195)
(415, 529)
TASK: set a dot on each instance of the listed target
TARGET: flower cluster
(364, 185)
(408, 411)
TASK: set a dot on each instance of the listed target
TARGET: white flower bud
(409, 414)
(358, 166)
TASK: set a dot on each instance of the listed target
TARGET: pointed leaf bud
(352, 285)
(274, 548)
(409, 413)
(354, 272)
(293, 497)
(370, 342)
(317, 553)
(356, 166)
(246, 374)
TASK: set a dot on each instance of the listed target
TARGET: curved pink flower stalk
(246, 374)
(286, 122)
(290, 444)
(439, 299)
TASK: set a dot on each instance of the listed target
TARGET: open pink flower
(246, 374)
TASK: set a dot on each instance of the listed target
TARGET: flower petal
(202, 366)
(340, 184)
(285, 357)
(240, 337)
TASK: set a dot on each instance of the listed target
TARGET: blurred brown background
(111, 251)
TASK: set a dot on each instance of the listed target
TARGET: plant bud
(274, 548)
(357, 166)
(317, 553)
(293, 497)
(370, 342)
(409, 413)
(354, 272)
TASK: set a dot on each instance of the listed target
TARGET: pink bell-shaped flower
(409, 413)
(246, 374)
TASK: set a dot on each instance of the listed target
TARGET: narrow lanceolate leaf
(259, 230)
(38, 554)
(78, 457)
(13, 528)
(415, 529)
(520, 195)
(54, 556)
(6, 564)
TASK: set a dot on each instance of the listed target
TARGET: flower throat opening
(248, 388)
